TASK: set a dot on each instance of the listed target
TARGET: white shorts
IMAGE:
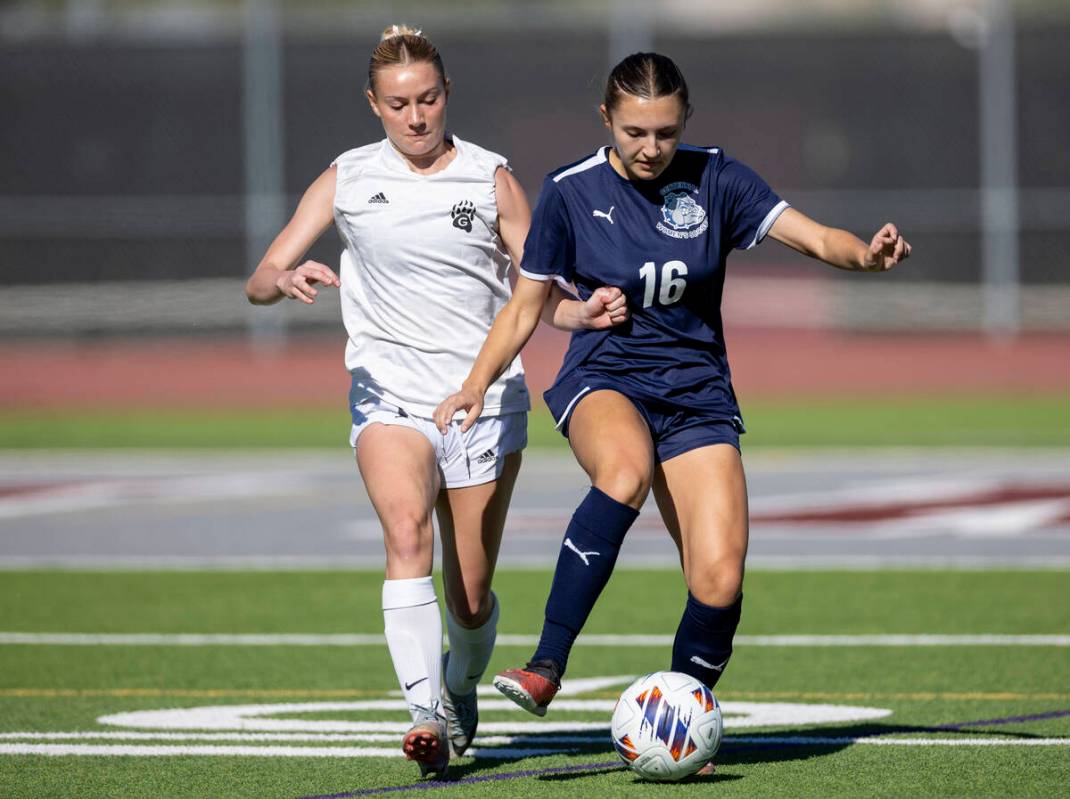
(464, 459)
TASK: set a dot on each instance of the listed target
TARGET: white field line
(903, 640)
(120, 750)
(128, 750)
(347, 639)
(599, 736)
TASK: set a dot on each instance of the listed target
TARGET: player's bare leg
(402, 479)
(702, 496)
(471, 521)
(612, 443)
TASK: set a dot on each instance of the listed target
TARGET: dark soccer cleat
(531, 687)
(426, 743)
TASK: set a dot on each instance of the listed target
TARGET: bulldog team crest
(681, 216)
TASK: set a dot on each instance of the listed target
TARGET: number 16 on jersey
(672, 282)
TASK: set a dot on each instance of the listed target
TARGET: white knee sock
(413, 629)
(470, 651)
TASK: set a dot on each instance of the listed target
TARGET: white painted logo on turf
(257, 730)
(583, 555)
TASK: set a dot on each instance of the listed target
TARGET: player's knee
(719, 584)
(626, 484)
(407, 536)
(471, 609)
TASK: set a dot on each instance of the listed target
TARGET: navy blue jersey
(664, 243)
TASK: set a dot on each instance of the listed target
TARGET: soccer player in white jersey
(649, 404)
(431, 225)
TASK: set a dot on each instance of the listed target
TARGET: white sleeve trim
(596, 159)
(767, 223)
(543, 278)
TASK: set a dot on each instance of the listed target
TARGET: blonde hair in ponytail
(401, 44)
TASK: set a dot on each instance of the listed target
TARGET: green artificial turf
(68, 688)
(1019, 421)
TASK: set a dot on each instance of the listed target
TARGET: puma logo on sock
(583, 555)
(705, 665)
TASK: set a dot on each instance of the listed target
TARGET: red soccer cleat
(531, 687)
(427, 744)
(707, 770)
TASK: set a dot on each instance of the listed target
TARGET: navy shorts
(674, 430)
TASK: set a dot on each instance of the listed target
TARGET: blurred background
(151, 150)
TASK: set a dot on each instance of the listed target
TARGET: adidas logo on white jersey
(378, 198)
(487, 457)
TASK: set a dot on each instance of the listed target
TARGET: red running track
(229, 373)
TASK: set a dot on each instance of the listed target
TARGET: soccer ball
(667, 725)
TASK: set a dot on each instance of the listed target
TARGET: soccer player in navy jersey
(649, 404)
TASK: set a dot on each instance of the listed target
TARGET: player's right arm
(606, 307)
(510, 332)
(278, 274)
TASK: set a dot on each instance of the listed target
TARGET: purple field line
(1054, 714)
(435, 784)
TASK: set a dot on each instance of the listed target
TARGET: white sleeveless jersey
(423, 275)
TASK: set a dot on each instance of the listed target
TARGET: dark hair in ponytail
(646, 75)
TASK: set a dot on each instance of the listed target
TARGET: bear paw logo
(462, 215)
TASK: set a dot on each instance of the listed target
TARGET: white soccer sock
(413, 627)
(470, 651)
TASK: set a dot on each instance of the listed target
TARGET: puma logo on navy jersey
(462, 215)
(378, 198)
(606, 214)
(487, 457)
(583, 555)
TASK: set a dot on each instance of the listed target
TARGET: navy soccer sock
(703, 642)
(584, 564)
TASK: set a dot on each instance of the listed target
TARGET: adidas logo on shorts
(487, 457)
(378, 198)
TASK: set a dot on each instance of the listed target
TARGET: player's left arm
(838, 247)
(606, 307)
